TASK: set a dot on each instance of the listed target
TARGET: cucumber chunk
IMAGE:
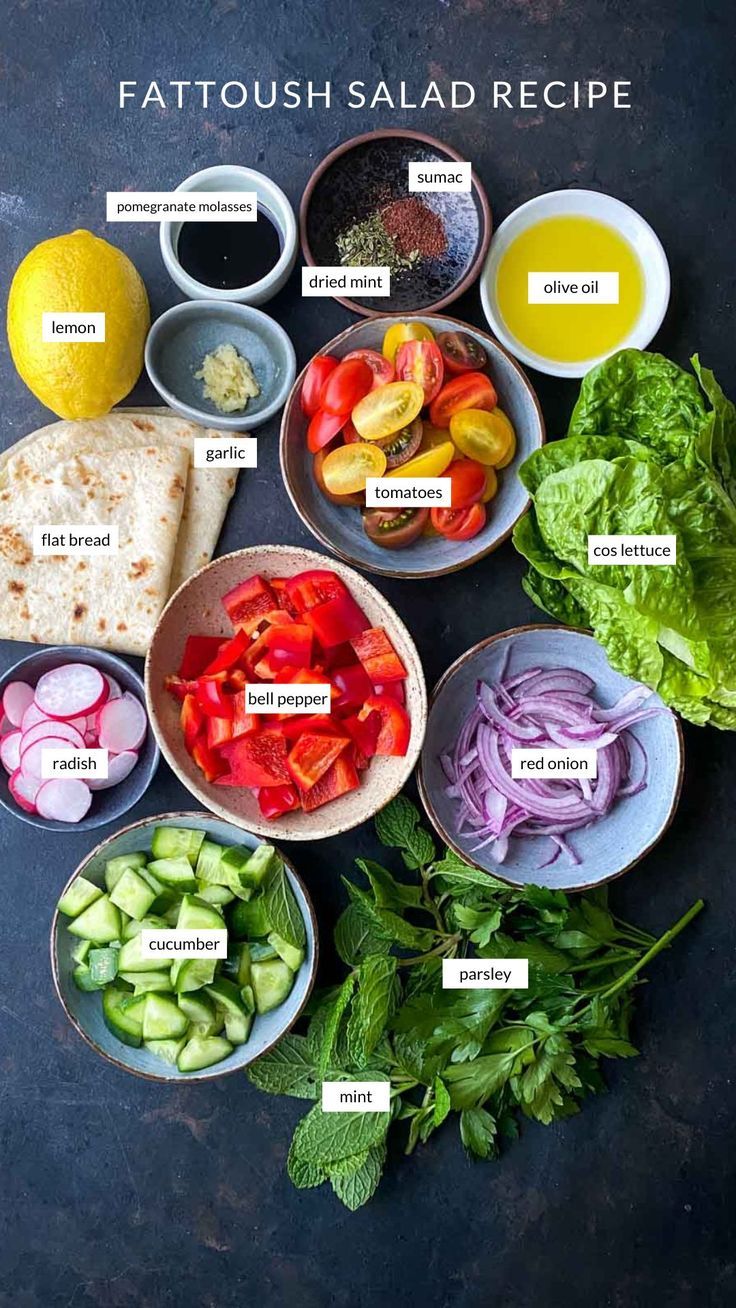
(171, 842)
(168, 1050)
(292, 957)
(133, 928)
(237, 964)
(248, 921)
(208, 862)
(201, 1052)
(163, 1019)
(212, 1028)
(192, 973)
(174, 872)
(79, 896)
(195, 915)
(132, 959)
(103, 965)
(237, 1027)
(115, 867)
(81, 950)
(124, 1023)
(261, 951)
(132, 894)
(100, 922)
(217, 895)
(260, 862)
(145, 981)
(226, 995)
(83, 979)
(248, 998)
(197, 1007)
(271, 981)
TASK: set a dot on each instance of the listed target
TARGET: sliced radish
(71, 690)
(116, 690)
(64, 799)
(60, 730)
(24, 790)
(34, 753)
(5, 724)
(17, 697)
(32, 716)
(90, 739)
(119, 765)
(10, 751)
(123, 724)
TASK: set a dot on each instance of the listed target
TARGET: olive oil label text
(573, 287)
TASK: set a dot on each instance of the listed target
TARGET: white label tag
(76, 327)
(554, 763)
(408, 492)
(237, 452)
(656, 551)
(71, 762)
(349, 281)
(307, 698)
(439, 176)
(573, 287)
(356, 1096)
(485, 973)
(180, 943)
(83, 538)
(193, 206)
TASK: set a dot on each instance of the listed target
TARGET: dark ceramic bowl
(107, 805)
(372, 170)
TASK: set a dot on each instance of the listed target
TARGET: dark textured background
(120, 1193)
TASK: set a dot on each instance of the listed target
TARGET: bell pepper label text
(181, 943)
(237, 452)
(573, 288)
(659, 551)
(305, 698)
(85, 538)
(356, 1096)
(194, 206)
(350, 281)
(71, 762)
(554, 763)
(77, 327)
(408, 492)
(485, 973)
(439, 176)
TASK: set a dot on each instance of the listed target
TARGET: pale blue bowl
(606, 848)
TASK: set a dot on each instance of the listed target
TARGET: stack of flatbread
(132, 469)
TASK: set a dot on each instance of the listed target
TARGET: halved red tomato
(314, 379)
(323, 428)
(381, 367)
(459, 524)
(346, 385)
(472, 390)
(461, 352)
(421, 361)
(468, 480)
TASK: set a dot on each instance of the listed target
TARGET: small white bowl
(232, 177)
(585, 204)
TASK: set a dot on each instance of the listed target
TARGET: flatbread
(109, 601)
(208, 491)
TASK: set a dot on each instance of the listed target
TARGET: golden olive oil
(569, 333)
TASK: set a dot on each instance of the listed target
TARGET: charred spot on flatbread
(14, 547)
(177, 487)
(142, 425)
(78, 612)
(140, 568)
(102, 623)
(16, 587)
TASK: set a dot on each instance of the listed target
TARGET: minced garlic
(228, 379)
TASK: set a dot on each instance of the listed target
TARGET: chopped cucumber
(103, 965)
(151, 923)
(292, 956)
(132, 894)
(261, 951)
(271, 982)
(115, 867)
(212, 1028)
(168, 1050)
(248, 998)
(100, 922)
(237, 1027)
(201, 1052)
(171, 842)
(248, 921)
(124, 1023)
(163, 1019)
(79, 896)
(192, 973)
(195, 915)
(83, 979)
(132, 958)
(226, 995)
(197, 1007)
(174, 872)
(237, 964)
(208, 862)
(171, 916)
(81, 950)
(142, 982)
(258, 865)
(218, 895)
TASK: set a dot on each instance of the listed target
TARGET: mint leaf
(305, 1176)
(287, 1069)
(358, 935)
(371, 1007)
(356, 1186)
(332, 1024)
(419, 850)
(390, 924)
(387, 891)
(442, 1102)
(396, 822)
(325, 1138)
(478, 1132)
(282, 910)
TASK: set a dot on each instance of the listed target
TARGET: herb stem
(446, 946)
(663, 943)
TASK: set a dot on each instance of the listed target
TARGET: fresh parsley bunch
(488, 1055)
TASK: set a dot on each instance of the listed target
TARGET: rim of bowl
(70, 652)
(225, 421)
(206, 800)
(477, 187)
(182, 1077)
(289, 231)
(498, 874)
(633, 340)
(403, 574)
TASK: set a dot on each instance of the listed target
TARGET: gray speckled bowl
(196, 608)
(341, 529)
(181, 337)
(84, 1010)
(607, 847)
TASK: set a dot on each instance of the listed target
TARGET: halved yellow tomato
(399, 333)
(491, 486)
(382, 412)
(433, 436)
(482, 436)
(346, 469)
(501, 416)
(430, 463)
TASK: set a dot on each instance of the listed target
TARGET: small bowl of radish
(72, 698)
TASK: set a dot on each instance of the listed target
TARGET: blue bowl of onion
(543, 765)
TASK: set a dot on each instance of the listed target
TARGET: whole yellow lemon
(78, 273)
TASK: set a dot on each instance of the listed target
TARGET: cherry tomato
(459, 524)
(403, 331)
(314, 379)
(349, 434)
(387, 410)
(403, 445)
(345, 469)
(394, 529)
(482, 436)
(323, 428)
(434, 436)
(468, 482)
(504, 420)
(461, 352)
(421, 361)
(491, 486)
(346, 384)
(381, 367)
(355, 500)
(429, 463)
(473, 390)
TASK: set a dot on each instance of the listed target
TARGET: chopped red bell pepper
(180, 688)
(338, 780)
(228, 654)
(295, 723)
(340, 656)
(243, 723)
(354, 686)
(191, 720)
(290, 645)
(337, 620)
(378, 656)
(207, 760)
(312, 755)
(198, 652)
(393, 689)
(237, 679)
(313, 587)
(393, 739)
(278, 586)
(256, 760)
(212, 696)
(364, 732)
(219, 731)
(274, 801)
(249, 599)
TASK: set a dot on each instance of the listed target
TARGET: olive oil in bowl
(230, 255)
